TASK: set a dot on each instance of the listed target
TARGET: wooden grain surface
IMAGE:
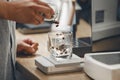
(26, 64)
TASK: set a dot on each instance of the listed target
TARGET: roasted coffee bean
(57, 49)
(52, 47)
(66, 52)
(61, 47)
(57, 25)
(57, 34)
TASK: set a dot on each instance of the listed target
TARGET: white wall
(110, 26)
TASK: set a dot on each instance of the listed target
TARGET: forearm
(25, 11)
(3, 7)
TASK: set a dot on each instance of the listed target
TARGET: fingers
(45, 4)
(35, 46)
(29, 41)
(29, 46)
(39, 19)
(42, 7)
(30, 49)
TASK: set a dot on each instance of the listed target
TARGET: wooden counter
(26, 64)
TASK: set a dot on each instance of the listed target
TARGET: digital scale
(30, 29)
(49, 66)
(103, 66)
(99, 66)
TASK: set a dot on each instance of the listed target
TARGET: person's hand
(27, 46)
(27, 11)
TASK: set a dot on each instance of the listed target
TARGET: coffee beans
(60, 51)
(57, 25)
(52, 47)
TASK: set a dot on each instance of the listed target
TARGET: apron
(7, 50)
